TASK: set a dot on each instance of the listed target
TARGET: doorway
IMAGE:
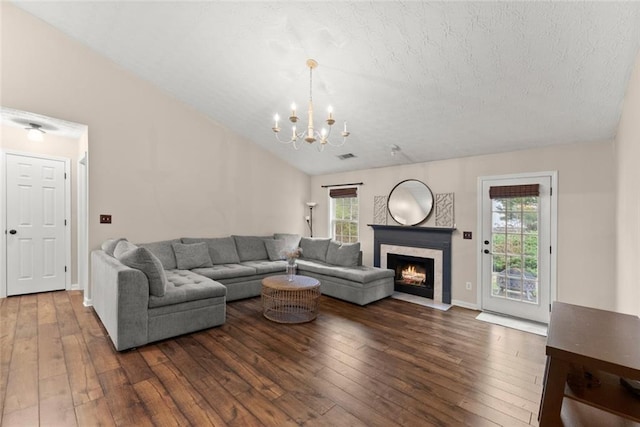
(58, 139)
(517, 257)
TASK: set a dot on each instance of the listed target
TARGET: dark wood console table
(605, 343)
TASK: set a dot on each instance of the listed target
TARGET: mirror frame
(425, 215)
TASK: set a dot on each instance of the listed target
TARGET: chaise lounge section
(149, 292)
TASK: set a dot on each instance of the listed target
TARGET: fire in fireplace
(413, 275)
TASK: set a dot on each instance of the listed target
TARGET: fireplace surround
(424, 242)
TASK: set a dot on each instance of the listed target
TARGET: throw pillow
(150, 265)
(314, 248)
(275, 249)
(195, 255)
(291, 241)
(251, 248)
(109, 245)
(164, 251)
(122, 247)
(344, 255)
(222, 250)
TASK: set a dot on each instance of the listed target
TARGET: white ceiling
(438, 79)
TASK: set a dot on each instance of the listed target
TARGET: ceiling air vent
(346, 156)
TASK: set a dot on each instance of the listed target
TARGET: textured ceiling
(438, 79)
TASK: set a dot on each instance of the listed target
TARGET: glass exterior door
(516, 250)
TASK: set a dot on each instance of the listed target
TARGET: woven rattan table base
(295, 301)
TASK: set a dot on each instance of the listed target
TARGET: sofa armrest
(121, 300)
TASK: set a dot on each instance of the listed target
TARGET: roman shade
(511, 191)
(339, 193)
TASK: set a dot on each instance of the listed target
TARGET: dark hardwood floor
(389, 363)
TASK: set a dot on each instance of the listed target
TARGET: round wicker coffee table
(295, 301)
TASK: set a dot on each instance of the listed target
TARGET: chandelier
(310, 134)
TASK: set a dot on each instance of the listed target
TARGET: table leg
(553, 392)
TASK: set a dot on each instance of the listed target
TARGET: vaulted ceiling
(436, 79)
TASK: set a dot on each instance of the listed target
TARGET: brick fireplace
(423, 251)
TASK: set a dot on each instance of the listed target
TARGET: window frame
(333, 221)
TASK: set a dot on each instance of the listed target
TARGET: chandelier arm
(281, 141)
(339, 144)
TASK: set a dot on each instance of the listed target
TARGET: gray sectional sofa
(148, 292)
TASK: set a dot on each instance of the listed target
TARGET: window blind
(338, 193)
(510, 191)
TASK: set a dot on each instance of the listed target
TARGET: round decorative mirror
(410, 202)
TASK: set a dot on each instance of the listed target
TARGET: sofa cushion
(251, 248)
(149, 264)
(122, 247)
(264, 266)
(184, 286)
(222, 250)
(192, 255)
(314, 248)
(164, 251)
(361, 274)
(226, 271)
(291, 241)
(109, 245)
(344, 255)
(275, 249)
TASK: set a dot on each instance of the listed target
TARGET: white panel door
(36, 248)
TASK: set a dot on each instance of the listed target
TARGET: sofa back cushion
(222, 250)
(314, 248)
(275, 249)
(291, 241)
(192, 255)
(142, 259)
(343, 255)
(109, 245)
(251, 248)
(164, 251)
(122, 247)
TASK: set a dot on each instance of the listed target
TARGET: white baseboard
(87, 303)
(465, 304)
(75, 287)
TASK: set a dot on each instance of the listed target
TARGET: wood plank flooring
(390, 363)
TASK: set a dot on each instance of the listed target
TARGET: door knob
(12, 231)
(486, 242)
(486, 251)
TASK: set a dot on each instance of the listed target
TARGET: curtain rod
(342, 185)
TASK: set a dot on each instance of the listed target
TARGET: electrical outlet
(466, 235)
(469, 286)
(105, 219)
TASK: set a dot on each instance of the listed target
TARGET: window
(344, 214)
